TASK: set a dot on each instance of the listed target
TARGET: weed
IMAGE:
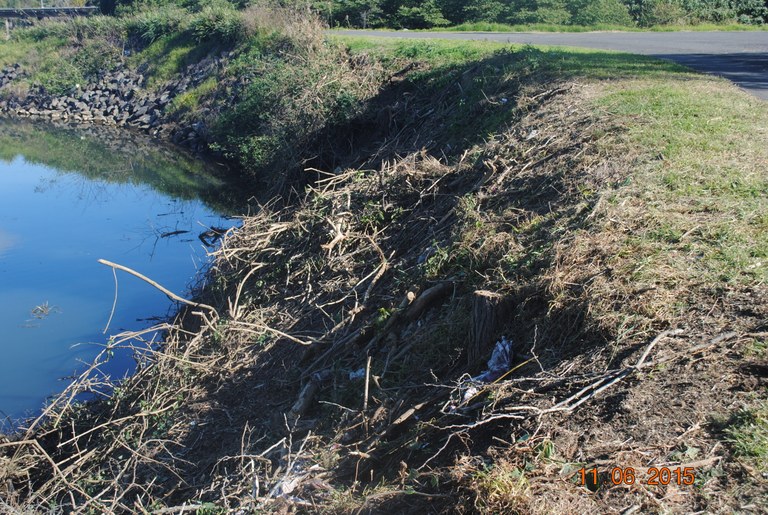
(747, 433)
(217, 21)
(151, 25)
(757, 347)
(435, 263)
(501, 487)
(189, 101)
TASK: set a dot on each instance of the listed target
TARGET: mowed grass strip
(699, 188)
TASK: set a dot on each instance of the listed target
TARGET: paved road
(739, 56)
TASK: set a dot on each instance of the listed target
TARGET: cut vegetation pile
(615, 230)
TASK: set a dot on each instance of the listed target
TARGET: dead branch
(426, 299)
(149, 281)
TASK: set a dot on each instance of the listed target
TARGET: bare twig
(149, 281)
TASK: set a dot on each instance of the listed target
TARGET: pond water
(67, 199)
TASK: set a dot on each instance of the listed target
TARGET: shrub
(752, 12)
(218, 21)
(609, 12)
(149, 26)
(657, 12)
(666, 12)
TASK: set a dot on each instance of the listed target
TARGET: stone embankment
(9, 74)
(118, 98)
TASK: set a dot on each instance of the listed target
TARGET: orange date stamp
(629, 476)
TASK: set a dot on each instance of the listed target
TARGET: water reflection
(68, 199)
(7, 241)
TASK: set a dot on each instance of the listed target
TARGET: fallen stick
(674, 332)
(426, 299)
(149, 281)
(598, 387)
(367, 382)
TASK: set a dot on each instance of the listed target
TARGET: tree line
(412, 14)
(415, 14)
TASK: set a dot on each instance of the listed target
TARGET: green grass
(168, 56)
(189, 101)
(706, 189)
(542, 27)
(563, 62)
(747, 432)
(44, 60)
(438, 52)
(12, 52)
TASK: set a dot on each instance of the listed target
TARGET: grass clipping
(327, 376)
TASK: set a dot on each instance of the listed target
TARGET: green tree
(360, 13)
(421, 15)
(656, 12)
(540, 11)
(484, 10)
(453, 10)
(593, 12)
(753, 12)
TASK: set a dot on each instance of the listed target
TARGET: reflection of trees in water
(45, 184)
(119, 156)
(98, 166)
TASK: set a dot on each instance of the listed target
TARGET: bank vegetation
(605, 213)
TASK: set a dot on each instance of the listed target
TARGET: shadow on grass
(460, 94)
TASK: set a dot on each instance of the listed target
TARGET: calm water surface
(66, 200)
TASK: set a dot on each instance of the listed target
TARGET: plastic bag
(500, 362)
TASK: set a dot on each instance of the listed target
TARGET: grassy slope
(683, 227)
(611, 197)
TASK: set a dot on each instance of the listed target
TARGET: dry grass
(305, 30)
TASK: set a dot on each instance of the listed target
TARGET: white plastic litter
(469, 387)
(469, 393)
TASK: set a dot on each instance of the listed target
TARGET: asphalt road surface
(739, 56)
